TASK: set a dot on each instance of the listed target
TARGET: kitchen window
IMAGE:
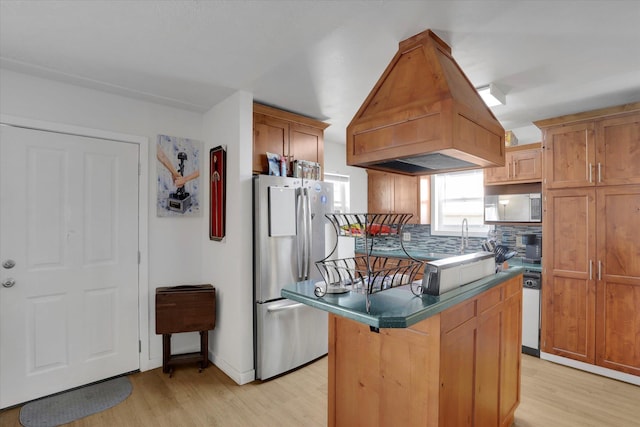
(455, 196)
(341, 194)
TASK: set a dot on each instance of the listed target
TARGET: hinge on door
(139, 346)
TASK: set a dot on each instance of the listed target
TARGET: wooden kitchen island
(449, 360)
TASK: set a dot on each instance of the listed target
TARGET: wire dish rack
(368, 225)
(367, 274)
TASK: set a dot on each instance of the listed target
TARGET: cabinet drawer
(513, 286)
(489, 299)
(457, 315)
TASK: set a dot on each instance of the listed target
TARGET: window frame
(437, 203)
(341, 184)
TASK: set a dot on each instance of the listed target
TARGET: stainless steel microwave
(513, 208)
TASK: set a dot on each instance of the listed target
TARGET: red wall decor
(218, 193)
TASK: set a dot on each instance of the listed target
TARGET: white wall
(227, 264)
(335, 161)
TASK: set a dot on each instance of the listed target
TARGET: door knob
(9, 263)
(8, 283)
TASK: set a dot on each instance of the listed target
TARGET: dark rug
(75, 404)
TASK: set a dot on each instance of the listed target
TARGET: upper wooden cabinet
(269, 135)
(393, 193)
(600, 147)
(522, 164)
(286, 134)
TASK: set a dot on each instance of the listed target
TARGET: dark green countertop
(395, 307)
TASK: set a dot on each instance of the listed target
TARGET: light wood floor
(552, 396)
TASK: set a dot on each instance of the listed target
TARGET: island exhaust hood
(424, 116)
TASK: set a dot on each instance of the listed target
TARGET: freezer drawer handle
(284, 308)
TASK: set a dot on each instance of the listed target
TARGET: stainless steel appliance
(533, 248)
(449, 273)
(288, 238)
(513, 208)
(532, 284)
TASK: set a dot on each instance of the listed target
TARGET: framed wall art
(218, 192)
(178, 176)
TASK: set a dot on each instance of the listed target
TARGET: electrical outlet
(519, 243)
(406, 236)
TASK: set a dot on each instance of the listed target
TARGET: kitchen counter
(425, 360)
(395, 307)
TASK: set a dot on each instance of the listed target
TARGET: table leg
(204, 349)
(166, 352)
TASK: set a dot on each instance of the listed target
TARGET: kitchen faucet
(464, 240)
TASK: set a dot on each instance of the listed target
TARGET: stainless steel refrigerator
(288, 238)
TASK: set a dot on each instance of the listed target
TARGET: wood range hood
(424, 116)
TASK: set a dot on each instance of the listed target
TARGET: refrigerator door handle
(300, 234)
(284, 307)
(304, 235)
(307, 218)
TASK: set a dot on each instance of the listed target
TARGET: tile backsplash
(421, 239)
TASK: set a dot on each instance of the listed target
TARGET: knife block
(188, 308)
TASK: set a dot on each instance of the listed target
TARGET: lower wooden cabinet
(457, 368)
(591, 282)
(480, 373)
(618, 273)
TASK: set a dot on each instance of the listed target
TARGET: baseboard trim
(594, 369)
(239, 377)
(152, 363)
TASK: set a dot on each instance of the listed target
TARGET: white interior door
(69, 223)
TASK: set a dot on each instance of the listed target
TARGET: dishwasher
(532, 283)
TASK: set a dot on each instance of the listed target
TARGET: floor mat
(75, 404)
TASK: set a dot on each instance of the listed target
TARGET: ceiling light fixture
(491, 95)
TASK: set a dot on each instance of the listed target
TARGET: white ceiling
(321, 58)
